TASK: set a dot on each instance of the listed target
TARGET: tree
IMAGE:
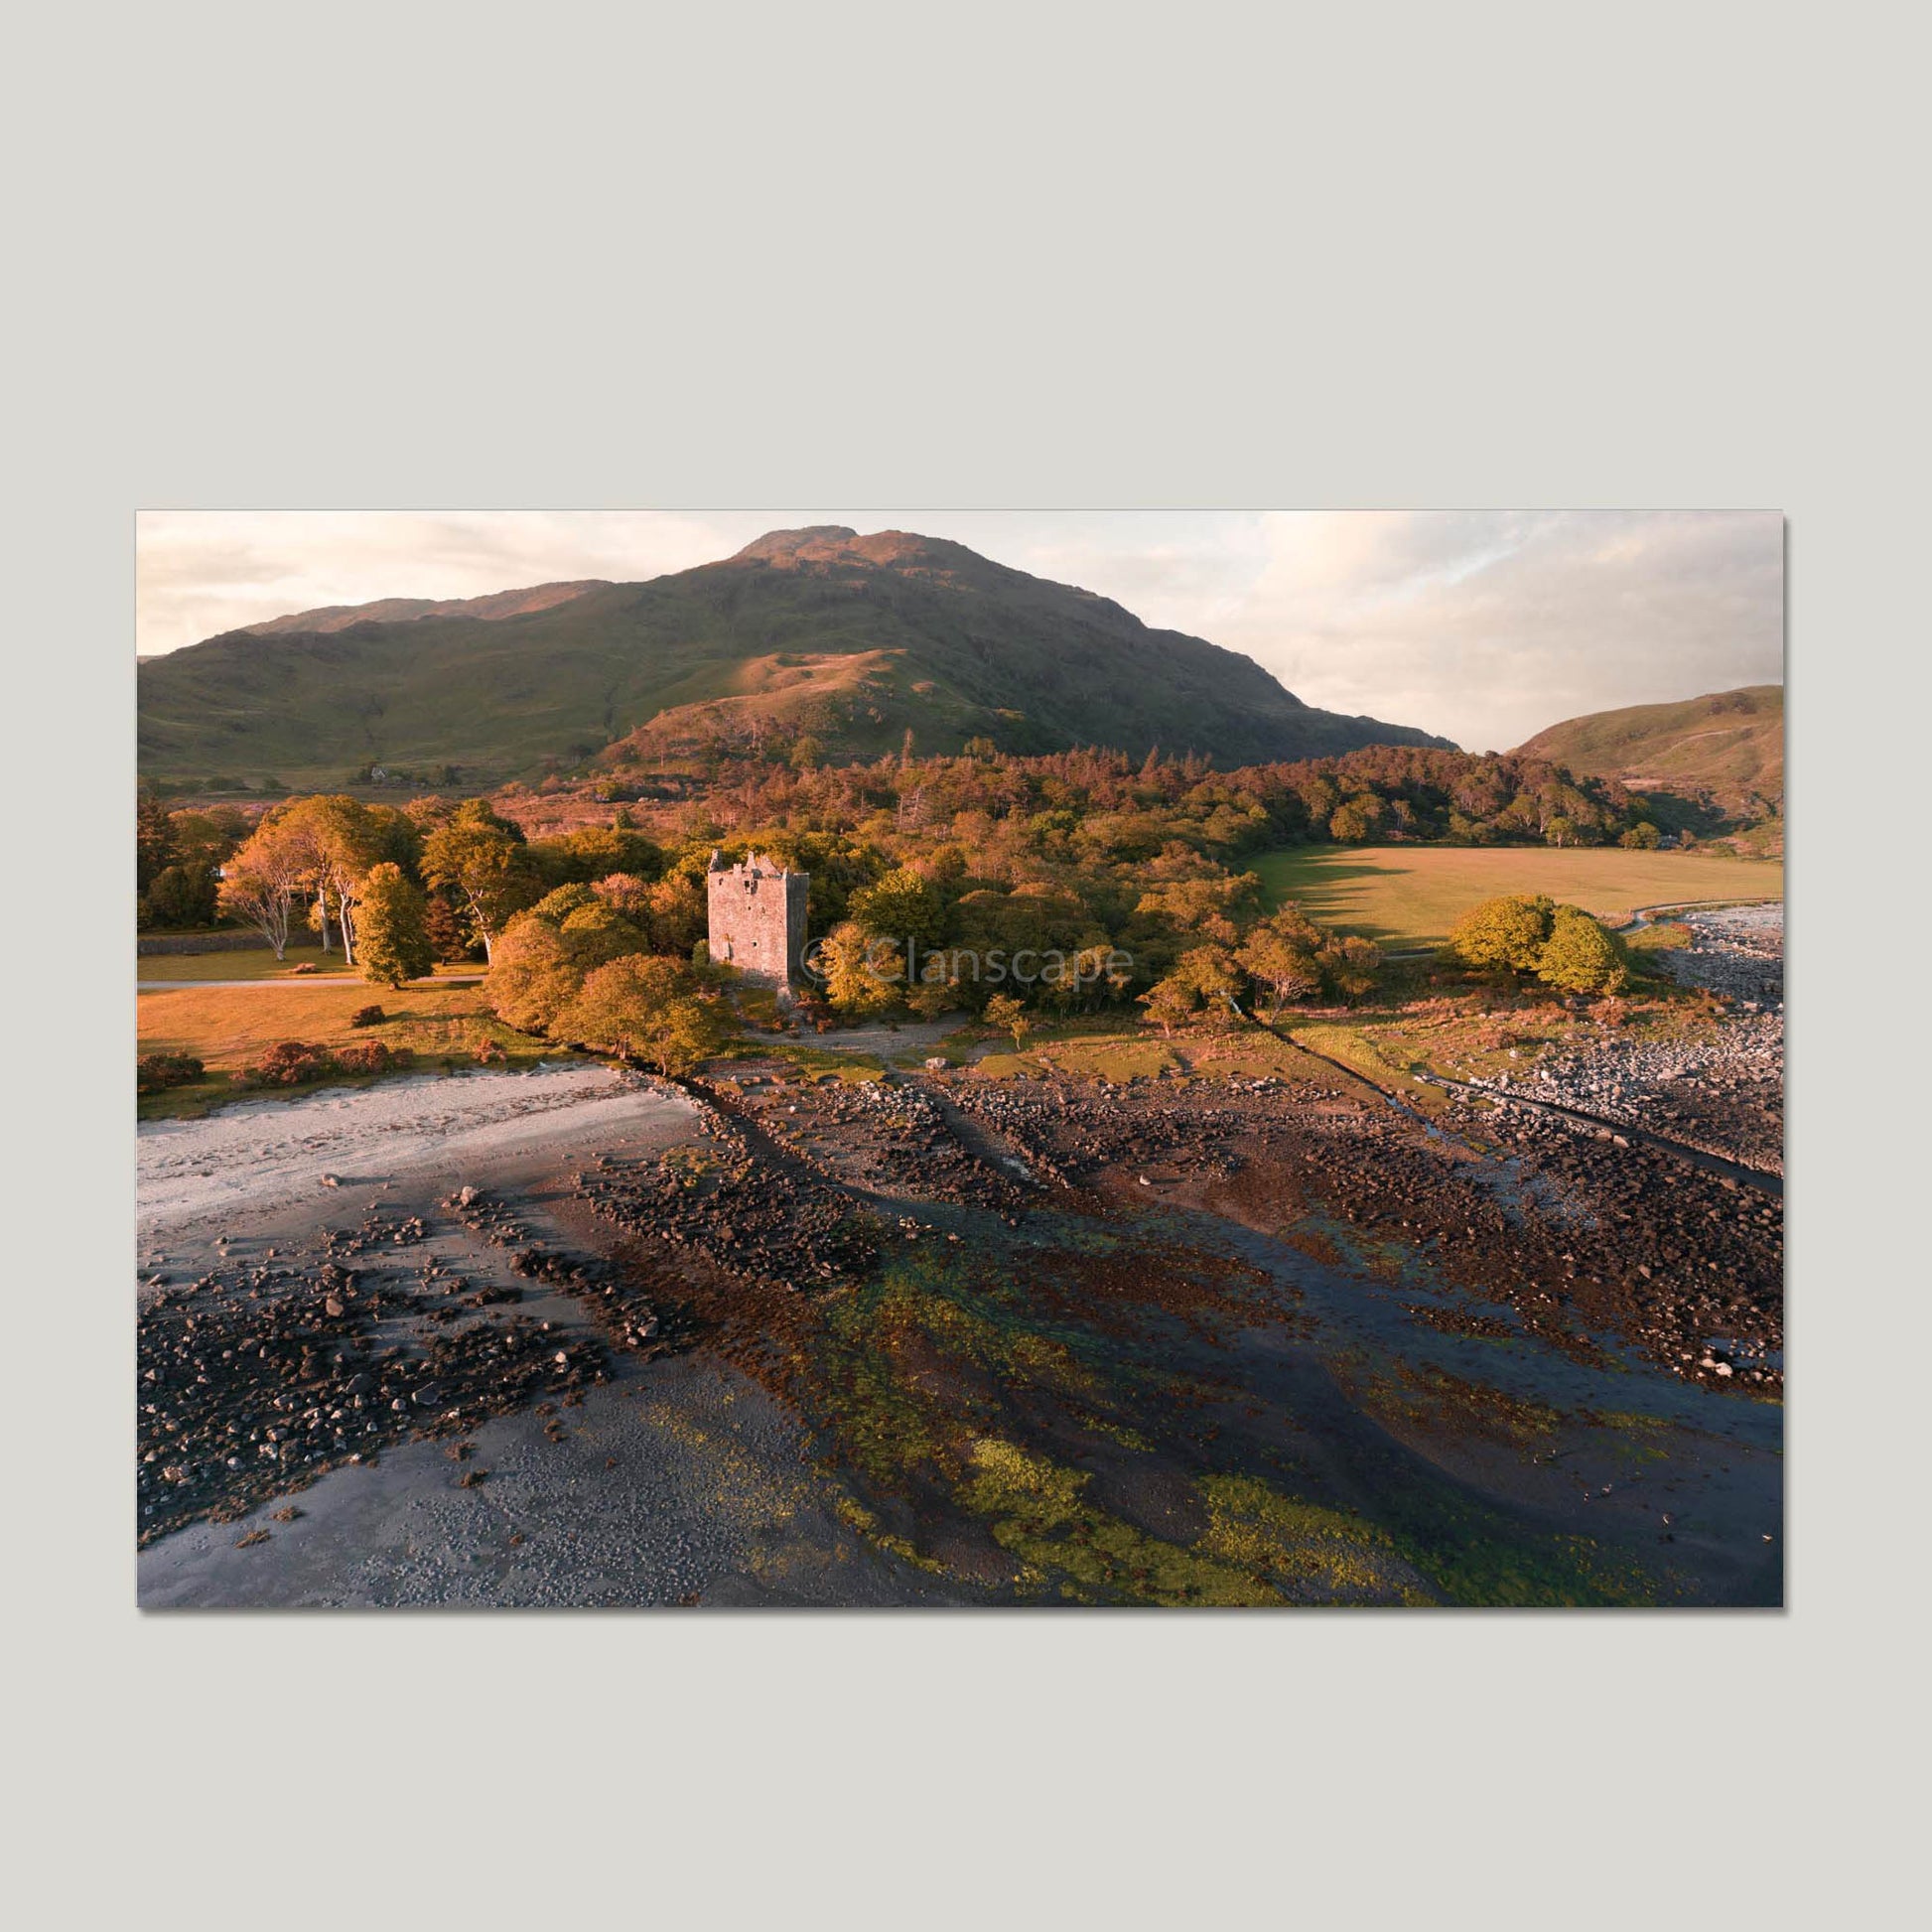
(1282, 953)
(1216, 979)
(929, 998)
(1560, 831)
(1008, 1015)
(1349, 966)
(394, 933)
(854, 983)
(154, 840)
(532, 977)
(674, 915)
(210, 837)
(625, 892)
(1352, 823)
(182, 895)
(1641, 836)
(1506, 932)
(449, 937)
(593, 852)
(900, 905)
(481, 862)
(647, 1008)
(338, 840)
(1580, 955)
(1205, 977)
(1170, 1003)
(545, 954)
(261, 881)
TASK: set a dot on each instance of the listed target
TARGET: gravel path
(268, 1153)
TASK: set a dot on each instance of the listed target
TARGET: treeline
(1013, 813)
(1100, 803)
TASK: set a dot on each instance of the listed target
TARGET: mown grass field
(1403, 896)
(227, 1026)
(260, 963)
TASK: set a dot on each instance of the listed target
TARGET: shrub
(288, 1063)
(490, 1053)
(367, 1016)
(154, 1071)
(370, 1056)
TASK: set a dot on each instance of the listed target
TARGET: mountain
(1723, 752)
(852, 639)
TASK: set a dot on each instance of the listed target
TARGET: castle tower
(758, 919)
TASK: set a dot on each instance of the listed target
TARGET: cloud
(1490, 627)
(1481, 625)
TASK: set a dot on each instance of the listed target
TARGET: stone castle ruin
(758, 919)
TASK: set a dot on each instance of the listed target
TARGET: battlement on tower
(758, 919)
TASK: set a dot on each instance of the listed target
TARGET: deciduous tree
(480, 861)
(855, 984)
(1007, 1015)
(260, 882)
(647, 1008)
(1580, 955)
(1507, 932)
(154, 840)
(340, 840)
(393, 938)
(1282, 953)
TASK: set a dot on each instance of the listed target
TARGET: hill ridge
(492, 605)
(1723, 751)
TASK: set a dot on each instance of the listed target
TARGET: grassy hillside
(1728, 747)
(851, 639)
(1404, 895)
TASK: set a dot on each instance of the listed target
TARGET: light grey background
(1075, 256)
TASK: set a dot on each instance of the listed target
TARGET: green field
(1404, 895)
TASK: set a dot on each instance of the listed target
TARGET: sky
(1481, 626)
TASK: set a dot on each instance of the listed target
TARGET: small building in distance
(758, 919)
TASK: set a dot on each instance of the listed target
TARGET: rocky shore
(1721, 1092)
(906, 1266)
